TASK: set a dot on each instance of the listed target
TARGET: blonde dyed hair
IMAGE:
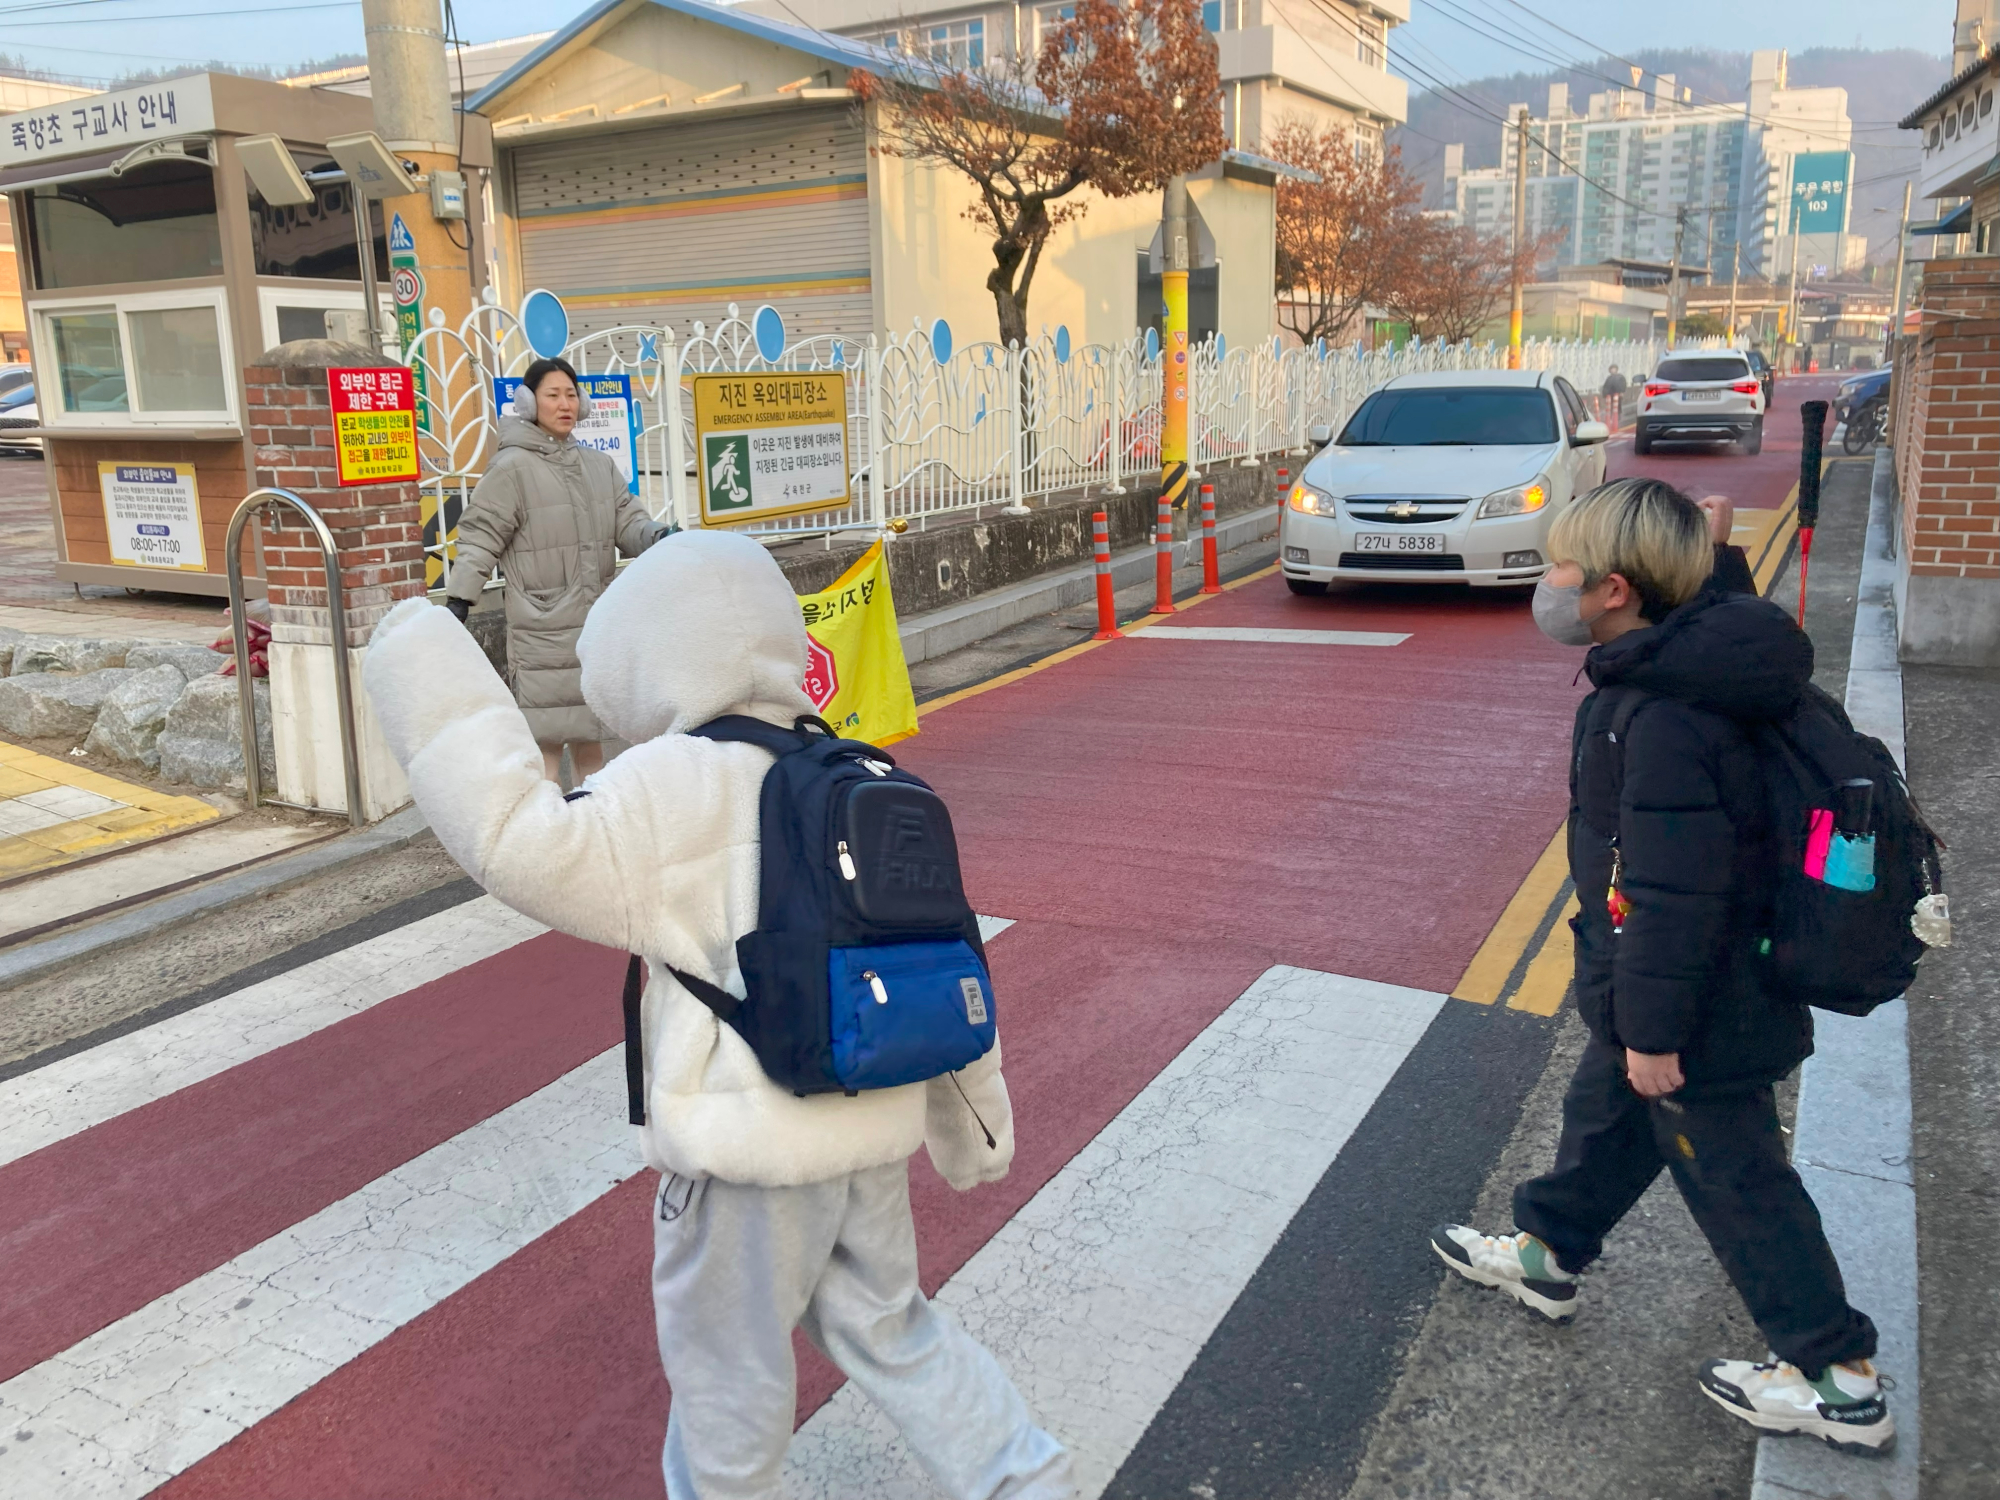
(1644, 530)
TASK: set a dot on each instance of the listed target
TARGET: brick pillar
(379, 539)
(1947, 457)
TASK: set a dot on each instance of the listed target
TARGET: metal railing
(935, 429)
(343, 683)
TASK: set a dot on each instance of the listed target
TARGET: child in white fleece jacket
(774, 1211)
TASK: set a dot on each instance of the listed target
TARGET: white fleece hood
(703, 624)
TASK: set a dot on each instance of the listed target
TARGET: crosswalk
(1097, 1293)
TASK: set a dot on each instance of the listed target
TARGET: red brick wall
(376, 528)
(1947, 423)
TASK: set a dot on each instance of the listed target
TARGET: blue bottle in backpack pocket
(905, 1012)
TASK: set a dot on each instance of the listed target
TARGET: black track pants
(1728, 1159)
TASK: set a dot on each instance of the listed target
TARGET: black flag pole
(1813, 414)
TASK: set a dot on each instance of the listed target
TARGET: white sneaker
(1518, 1264)
(1845, 1407)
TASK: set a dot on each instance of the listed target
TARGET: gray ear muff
(523, 403)
(582, 403)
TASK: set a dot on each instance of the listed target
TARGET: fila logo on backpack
(865, 970)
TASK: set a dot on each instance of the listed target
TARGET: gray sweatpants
(736, 1268)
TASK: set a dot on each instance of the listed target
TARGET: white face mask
(1559, 614)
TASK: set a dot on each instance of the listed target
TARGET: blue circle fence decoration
(545, 324)
(1062, 344)
(941, 341)
(768, 324)
(1152, 345)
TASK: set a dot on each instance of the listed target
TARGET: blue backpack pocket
(906, 1012)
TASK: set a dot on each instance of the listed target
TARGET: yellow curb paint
(15, 782)
(1551, 970)
(1485, 978)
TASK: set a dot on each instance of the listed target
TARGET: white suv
(1445, 478)
(1701, 395)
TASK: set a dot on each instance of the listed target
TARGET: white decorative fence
(934, 429)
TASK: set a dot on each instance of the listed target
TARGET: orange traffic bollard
(1100, 551)
(1211, 568)
(1163, 559)
(1284, 484)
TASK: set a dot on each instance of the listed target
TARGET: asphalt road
(1167, 823)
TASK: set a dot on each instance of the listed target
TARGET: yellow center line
(1485, 978)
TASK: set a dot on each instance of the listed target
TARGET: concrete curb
(944, 630)
(1853, 1141)
(37, 958)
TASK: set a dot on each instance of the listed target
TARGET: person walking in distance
(775, 1209)
(1671, 851)
(552, 514)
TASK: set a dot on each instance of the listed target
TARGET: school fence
(934, 429)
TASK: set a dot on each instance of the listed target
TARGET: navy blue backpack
(865, 970)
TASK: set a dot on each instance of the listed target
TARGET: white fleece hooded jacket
(662, 858)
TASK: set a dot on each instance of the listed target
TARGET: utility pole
(411, 93)
(1735, 264)
(1896, 296)
(1520, 239)
(1674, 276)
(1792, 294)
(1174, 347)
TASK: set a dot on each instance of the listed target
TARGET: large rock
(133, 714)
(9, 638)
(193, 661)
(55, 705)
(62, 653)
(202, 745)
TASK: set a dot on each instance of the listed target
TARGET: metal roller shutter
(672, 224)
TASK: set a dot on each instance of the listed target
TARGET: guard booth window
(154, 223)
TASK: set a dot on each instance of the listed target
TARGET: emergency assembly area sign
(770, 445)
(374, 425)
(152, 515)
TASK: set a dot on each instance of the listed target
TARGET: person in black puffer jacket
(1672, 858)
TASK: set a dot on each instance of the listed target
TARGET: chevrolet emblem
(1403, 510)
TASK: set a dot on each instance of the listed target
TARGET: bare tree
(1456, 281)
(1344, 241)
(1120, 98)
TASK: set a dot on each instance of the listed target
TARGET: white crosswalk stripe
(47, 1105)
(1098, 1295)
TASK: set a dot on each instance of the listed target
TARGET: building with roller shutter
(660, 160)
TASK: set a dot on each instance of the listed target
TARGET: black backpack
(866, 969)
(1838, 949)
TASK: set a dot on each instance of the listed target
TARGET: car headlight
(1517, 501)
(1310, 501)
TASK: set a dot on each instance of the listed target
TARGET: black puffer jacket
(1690, 823)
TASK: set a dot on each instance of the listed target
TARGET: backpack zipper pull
(846, 859)
(875, 984)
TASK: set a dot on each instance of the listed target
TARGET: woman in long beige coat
(553, 515)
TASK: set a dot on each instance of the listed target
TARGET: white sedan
(1446, 478)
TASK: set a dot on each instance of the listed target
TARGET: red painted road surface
(1163, 819)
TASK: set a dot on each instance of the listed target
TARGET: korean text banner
(1819, 190)
(855, 672)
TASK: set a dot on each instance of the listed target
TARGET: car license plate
(1399, 541)
(1701, 395)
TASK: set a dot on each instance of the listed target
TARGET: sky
(94, 40)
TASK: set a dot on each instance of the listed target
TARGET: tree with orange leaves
(1120, 98)
(1456, 281)
(1346, 240)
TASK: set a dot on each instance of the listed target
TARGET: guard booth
(152, 272)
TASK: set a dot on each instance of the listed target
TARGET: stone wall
(1946, 431)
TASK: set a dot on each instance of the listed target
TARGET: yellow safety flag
(855, 673)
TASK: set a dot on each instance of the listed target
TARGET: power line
(183, 15)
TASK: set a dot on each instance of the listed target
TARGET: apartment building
(1326, 61)
(1641, 174)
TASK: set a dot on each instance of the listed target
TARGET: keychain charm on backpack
(1614, 898)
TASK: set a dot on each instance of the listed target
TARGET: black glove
(460, 608)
